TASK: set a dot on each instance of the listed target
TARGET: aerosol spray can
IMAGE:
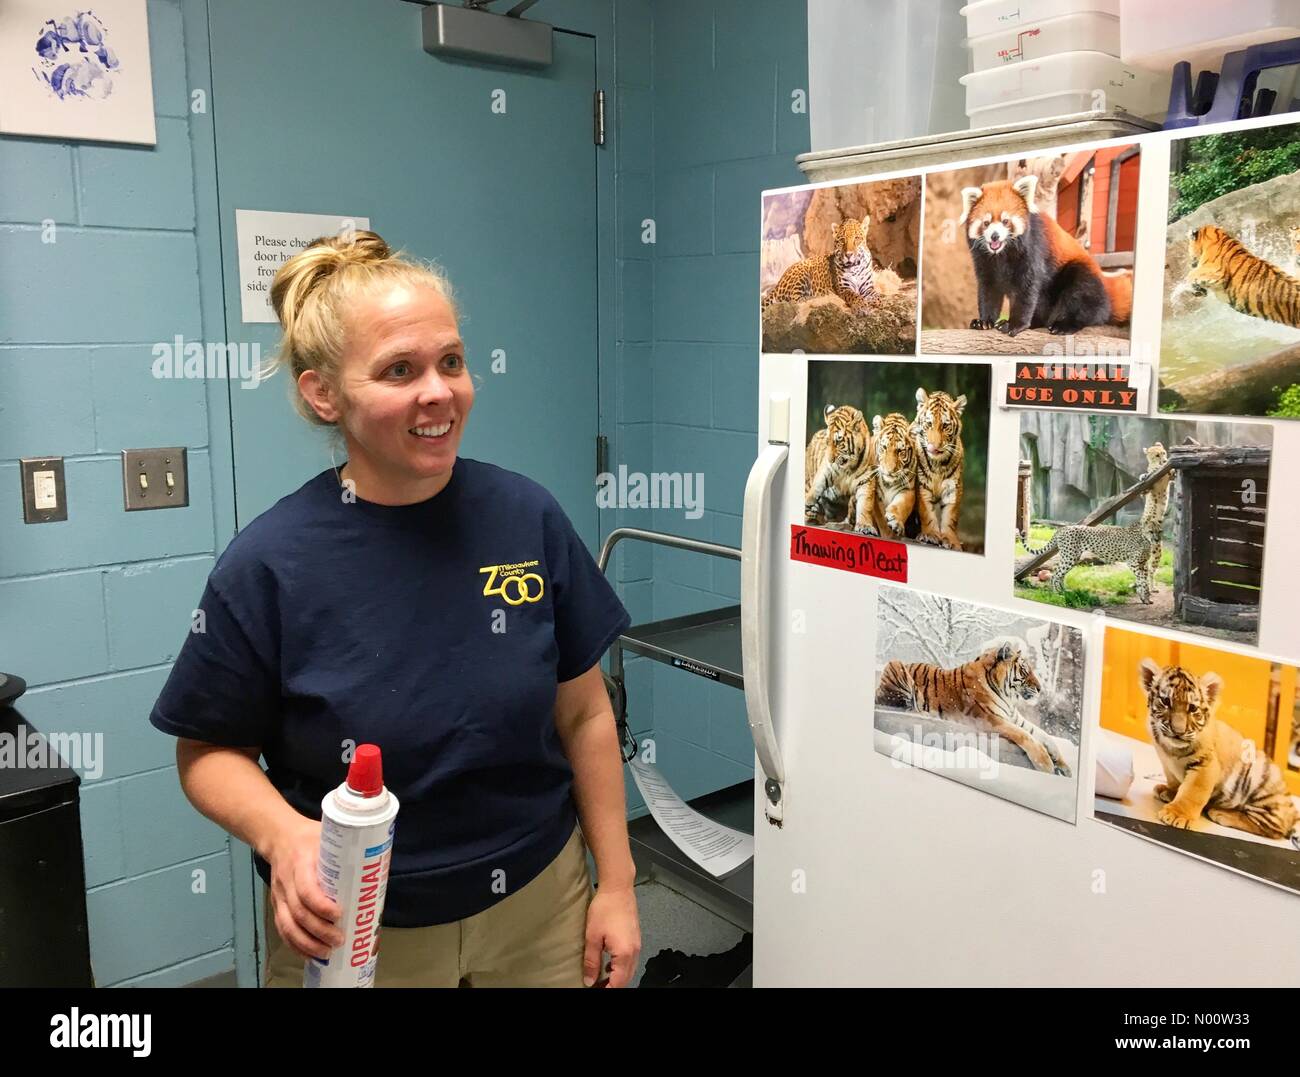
(356, 844)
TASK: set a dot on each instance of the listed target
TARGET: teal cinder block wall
(99, 258)
(727, 125)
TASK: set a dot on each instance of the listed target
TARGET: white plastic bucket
(991, 16)
(1091, 31)
(1156, 34)
(1064, 83)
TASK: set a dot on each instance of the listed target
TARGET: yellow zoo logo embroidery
(513, 583)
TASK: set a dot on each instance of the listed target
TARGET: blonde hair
(314, 289)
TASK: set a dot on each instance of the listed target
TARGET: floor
(671, 920)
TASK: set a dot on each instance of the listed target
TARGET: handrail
(662, 538)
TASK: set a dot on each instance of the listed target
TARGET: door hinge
(598, 118)
(602, 455)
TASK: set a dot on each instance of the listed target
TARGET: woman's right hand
(305, 918)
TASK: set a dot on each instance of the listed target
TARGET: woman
(442, 608)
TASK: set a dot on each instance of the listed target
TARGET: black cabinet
(44, 941)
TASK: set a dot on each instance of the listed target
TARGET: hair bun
(317, 262)
(357, 246)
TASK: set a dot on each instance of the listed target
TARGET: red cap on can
(366, 773)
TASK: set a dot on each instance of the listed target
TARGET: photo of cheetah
(1160, 521)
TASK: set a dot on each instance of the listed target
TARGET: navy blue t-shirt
(437, 631)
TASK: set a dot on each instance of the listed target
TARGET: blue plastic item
(1231, 94)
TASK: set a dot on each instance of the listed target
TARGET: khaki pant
(531, 938)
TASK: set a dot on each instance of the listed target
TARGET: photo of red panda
(1027, 258)
(1021, 254)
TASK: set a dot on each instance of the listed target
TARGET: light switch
(46, 490)
(44, 497)
(155, 478)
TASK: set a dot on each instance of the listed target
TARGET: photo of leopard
(838, 268)
(846, 273)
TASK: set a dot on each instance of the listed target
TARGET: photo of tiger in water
(984, 697)
(1221, 264)
(1230, 335)
(1201, 737)
(898, 451)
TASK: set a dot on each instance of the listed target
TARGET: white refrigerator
(871, 869)
(880, 874)
(871, 873)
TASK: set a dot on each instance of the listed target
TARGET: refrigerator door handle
(754, 559)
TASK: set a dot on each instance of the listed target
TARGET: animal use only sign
(1082, 386)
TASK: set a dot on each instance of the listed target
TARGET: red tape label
(849, 552)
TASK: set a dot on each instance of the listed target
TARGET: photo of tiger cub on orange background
(1022, 254)
(1230, 335)
(987, 698)
(898, 450)
(1200, 751)
(837, 272)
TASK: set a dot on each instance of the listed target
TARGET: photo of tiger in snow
(1230, 339)
(1195, 746)
(898, 451)
(1161, 521)
(985, 697)
(838, 268)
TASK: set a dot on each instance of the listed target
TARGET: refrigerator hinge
(775, 809)
(598, 118)
(602, 456)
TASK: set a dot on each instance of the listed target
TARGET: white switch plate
(44, 496)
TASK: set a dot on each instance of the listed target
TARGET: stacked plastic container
(1036, 58)
(1159, 33)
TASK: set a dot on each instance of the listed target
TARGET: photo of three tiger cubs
(898, 450)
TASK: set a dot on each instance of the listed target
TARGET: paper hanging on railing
(718, 849)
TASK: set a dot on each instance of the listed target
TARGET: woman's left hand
(614, 928)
